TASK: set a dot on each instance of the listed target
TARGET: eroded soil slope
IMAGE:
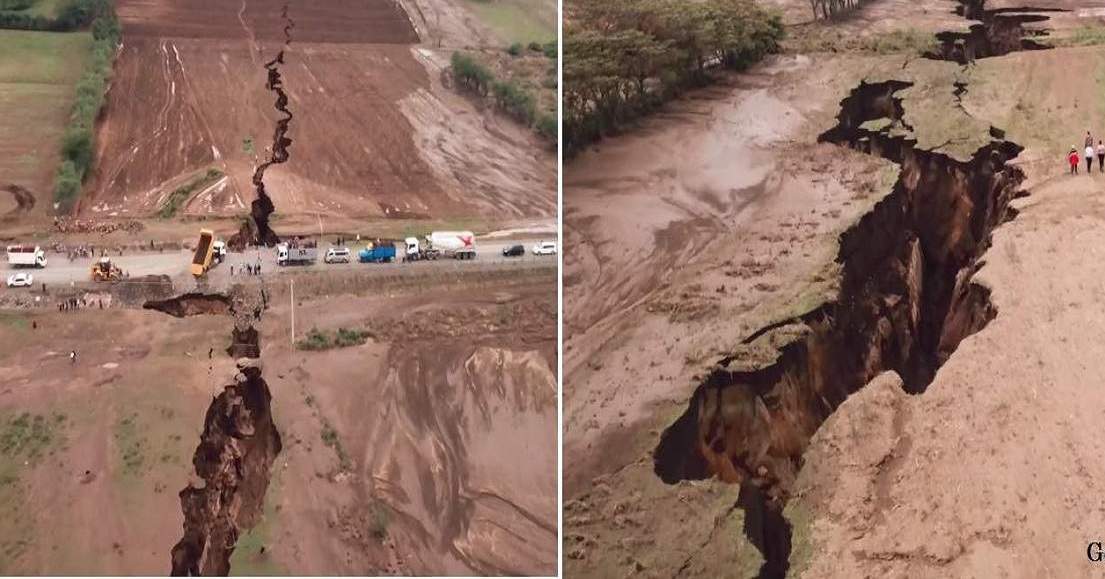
(375, 133)
(736, 316)
(428, 449)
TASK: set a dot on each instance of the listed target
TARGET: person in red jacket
(1073, 159)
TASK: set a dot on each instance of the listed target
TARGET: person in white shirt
(1089, 158)
(1101, 156)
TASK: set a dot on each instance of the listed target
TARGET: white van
(337, 255)
(545, 248)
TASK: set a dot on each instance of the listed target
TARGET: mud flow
(999, 32)
(233, 460)
(262, 208)
(905, 303)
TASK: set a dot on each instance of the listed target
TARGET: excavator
(104, 270)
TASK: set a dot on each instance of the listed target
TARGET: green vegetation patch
(624, 58)
(515, 21)
(36, 84)
(509, 96)
(28, 436)
(331, 439)
(133, 446)
(25, 439)
(343, 338)
(176, 199)
(252, 556)
(78, 143)
(1081, 36)
(908, 41)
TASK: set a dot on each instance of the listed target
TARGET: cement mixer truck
(454, 244)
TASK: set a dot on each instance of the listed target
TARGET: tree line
(829, 8)
(71, 15)
(623, 58)
(78, 143)
(508, 96)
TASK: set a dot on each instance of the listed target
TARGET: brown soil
(430, 449)
(189, 93)
(885, 486)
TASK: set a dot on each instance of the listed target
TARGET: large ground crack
(262, 207)
(239, 443)
(906, 301)
(998, 32)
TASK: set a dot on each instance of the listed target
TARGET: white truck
(454, 244)
(287, 254)
(26, 256)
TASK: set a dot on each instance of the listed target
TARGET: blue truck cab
(378, 254)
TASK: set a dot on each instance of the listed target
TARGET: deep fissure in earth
(262, 208)
(239, 443)
(905, 302)
(999, 32)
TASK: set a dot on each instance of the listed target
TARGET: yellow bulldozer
(104, 270)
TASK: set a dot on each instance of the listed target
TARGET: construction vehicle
(26, 256)
(104, 270)
(382, 253)
(296, 254)
(454, 244)
(205, 252)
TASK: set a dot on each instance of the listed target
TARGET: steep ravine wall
(906, 301)
(240, 441)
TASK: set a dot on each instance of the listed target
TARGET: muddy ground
(429, 449)
(730, 284)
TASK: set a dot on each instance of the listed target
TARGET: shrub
(534, 46)
(514, 101)
(470, 74)
(514, 49)
(546, 126)
(343, 338)
(378, 527)
(550, 50)
(315, 340)
(16, 5)
(78, 144)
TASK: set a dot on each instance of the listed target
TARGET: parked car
(20, 280)
(545, 248)
(514, 251)
(337, 255)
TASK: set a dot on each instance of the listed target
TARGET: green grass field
(38, 75)
(47, 8)
(521, 21)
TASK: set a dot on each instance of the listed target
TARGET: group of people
(73, 304)
(247, 269)
(1089, 153)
